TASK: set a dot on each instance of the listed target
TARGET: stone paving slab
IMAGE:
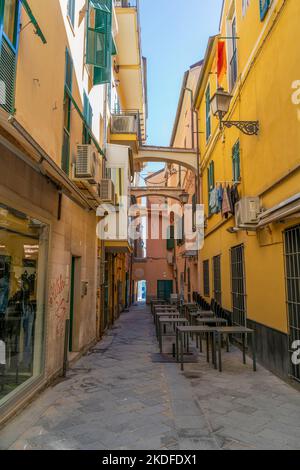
(117, 398)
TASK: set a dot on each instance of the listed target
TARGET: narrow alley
(119, 396)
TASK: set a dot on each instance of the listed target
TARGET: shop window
(23, 263)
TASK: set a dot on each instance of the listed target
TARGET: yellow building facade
(254, 272)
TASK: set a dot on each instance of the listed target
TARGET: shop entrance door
(74, 304)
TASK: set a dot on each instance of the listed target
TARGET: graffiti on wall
(58, 303)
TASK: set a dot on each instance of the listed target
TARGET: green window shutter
(65, 163)
(264, 6)
(99, 36)
(71, 11)
(170, 239)
(207, 112)
(69, 71)
(236, 161)
(8, 61)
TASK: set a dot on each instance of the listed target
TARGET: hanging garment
(227, 208)
(235, 197)
(213, 201)
(220, 197)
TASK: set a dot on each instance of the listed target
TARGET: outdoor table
(159, 315)
(163, 308)
(163, 321)
(236, 330)
(210, 321)
(198, 331)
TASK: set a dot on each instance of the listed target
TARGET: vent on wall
(7, 77)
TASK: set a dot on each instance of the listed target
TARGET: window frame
(207, 113)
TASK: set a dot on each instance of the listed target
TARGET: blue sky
(174, 36)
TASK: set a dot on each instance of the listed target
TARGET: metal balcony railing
(126, 122)
(126, 3)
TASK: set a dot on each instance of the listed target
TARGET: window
(88, 116)
(170, 238)
(210, 181)
(245, 6)
(264, 6)
(67, 113)
(207, 113)
(71, 11)
(217, 279)
(99, 45)
(292, 273)
(206, 288)
(10, 16)
(238, 285)
(236, 167)
(232, 50)
(194, 213)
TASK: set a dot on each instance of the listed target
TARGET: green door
(164, 290)
(72, 304)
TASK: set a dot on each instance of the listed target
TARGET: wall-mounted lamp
(184, 198)
(220, 104)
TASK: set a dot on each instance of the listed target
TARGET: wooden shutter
(264, 6)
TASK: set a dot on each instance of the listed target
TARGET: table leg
(160, 337)
(177, 350)
(214, 354)
(254, 350)
(207, 347)
(220, 350)
(181, 350)
(244, 348)
(187, 344)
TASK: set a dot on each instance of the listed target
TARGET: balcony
(126, 129)
(130, 68)
(126, 3)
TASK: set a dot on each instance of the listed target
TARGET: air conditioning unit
(107, 191)
(247, 211)
(87, 165)
(123, 124)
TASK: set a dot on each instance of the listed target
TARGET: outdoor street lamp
(184, 198)
(220, 103)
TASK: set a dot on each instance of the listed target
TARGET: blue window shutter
(264, 6)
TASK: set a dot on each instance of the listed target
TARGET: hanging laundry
(213, 202)
(220, 197)
(235, 197)
(227, 208)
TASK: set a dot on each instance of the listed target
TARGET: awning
(286, 209)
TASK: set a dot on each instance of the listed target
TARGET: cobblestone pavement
(118, 397)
